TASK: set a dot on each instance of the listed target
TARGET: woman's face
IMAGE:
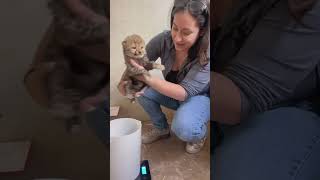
(185, 31)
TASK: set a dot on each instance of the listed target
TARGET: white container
(125, 149)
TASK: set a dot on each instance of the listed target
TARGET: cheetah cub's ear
(124, 43)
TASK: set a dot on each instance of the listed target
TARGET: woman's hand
(133, 63)
(121, 87)
(85, 106)
(122, 84)
(138, 94)
(142, 77)
(90, 103)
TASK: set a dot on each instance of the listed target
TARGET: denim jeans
(97, 121)
(280, 144)
(191, 117)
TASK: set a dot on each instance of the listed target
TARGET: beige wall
(22, 26)
(144, 17)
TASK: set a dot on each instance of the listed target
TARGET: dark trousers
(280, 144)
(98, 121)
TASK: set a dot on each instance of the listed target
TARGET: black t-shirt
(280, 59)
(172, 76)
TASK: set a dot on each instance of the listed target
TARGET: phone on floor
(145, 170)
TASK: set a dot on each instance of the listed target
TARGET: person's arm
(225, 100)
(97, 120)
(166, 88)
(35, 77)
(122, 83)
(42, 48)
(89, 104)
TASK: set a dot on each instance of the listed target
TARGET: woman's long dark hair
(202, 15)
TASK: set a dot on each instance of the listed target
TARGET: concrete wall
(22, 26)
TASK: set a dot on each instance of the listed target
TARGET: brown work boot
(196, 147)
(154, 134)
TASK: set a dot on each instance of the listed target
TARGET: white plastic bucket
(125, 149)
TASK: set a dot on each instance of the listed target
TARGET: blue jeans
(191, 117)
(97, 121)
(280, 144)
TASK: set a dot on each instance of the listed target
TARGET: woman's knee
(190, 121)
(187, 129)
(278, 131)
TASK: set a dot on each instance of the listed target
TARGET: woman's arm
(35, 77)
(166, 88)
(169, 89)
(225, 100)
